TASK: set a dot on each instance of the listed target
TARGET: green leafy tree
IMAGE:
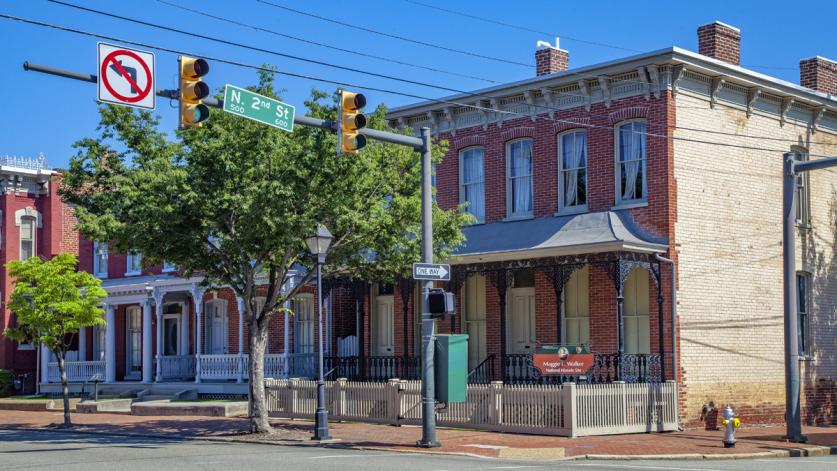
(52, 300)
(234, 201)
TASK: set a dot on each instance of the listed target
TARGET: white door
(520, 320)
(635, 313)
(216, 327)
(382, 330)
(305, 323)
(133, 342)
(475, 319)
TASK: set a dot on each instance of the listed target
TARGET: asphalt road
(70, 451)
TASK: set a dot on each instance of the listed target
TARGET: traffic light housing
(192, 92)
(351, 121)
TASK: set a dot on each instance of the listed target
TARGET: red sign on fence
(562, 363)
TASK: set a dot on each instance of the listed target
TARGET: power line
(255, 48)
(316, 43)
(395, 36)
(382, 90)
(518, 27)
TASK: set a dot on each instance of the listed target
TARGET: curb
(532, 454)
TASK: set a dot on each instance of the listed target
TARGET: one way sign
(431, 271)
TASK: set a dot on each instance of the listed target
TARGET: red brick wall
(720, 42)
(818, 73)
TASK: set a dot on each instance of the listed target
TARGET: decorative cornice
(516, 132)
(787, 102)
(676, 76)
(717, 84)
(753, 94)
(646, 84)
(604, 84)
(571, 123)
(585, 90)
(654, 74)
(628, 113)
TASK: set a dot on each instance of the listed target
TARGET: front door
(521, 320)
(382, 331)
(217, 327)
(171, 338)
(133, 343)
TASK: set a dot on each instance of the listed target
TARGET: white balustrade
(77, 371)
(177, 367)
(220, 366)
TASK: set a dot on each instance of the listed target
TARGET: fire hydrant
(730, 423)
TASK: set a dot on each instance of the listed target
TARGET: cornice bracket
(717, 84)
(753, 94)
(585, 90)
(787, 102)
(604, 84)
(549, 98)
(818, 114)
(654, 75)
(646, 84)
(530, 101)
(676, 76)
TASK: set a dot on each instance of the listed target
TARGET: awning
(554, 236)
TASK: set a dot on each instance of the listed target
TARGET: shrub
(7, 383)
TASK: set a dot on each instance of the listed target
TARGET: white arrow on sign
(439, 272)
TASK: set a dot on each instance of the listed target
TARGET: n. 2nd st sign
(266, 110)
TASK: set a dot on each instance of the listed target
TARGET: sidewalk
(754, 442)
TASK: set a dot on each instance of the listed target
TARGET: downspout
(674, 365)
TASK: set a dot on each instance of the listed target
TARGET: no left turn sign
(126, 76)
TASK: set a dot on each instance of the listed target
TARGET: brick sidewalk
(695, 443)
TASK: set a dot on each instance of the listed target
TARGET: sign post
(265, 110)
(126, 76)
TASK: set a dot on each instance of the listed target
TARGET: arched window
(635, 313)
(519, 190)
(631, 168)
(472, 181)
(572, 171)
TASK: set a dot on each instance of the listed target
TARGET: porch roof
(576, 234)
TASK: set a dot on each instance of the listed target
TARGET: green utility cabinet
(451, 362)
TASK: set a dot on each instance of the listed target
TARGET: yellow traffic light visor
(193, 68)
(353, 101)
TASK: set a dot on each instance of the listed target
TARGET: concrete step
(153, 394)
(118, 406)
(185, 408)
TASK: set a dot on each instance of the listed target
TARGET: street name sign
(126, 76)
(431, 271)
(266, 110)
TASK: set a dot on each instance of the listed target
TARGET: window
(803, 302)
(169, 267)
(100, 259)
(803, 191)
(99, 342)
(572, 167)
(577, 308)
(27, 237)
(519, 199)
(134, 265)
(636, 310)
(475, 323)
(631, 179)
(472, 181)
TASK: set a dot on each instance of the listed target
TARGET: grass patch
(27, 398)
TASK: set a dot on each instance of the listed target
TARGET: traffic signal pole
(422, 145)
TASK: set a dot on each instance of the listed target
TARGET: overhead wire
(377, 89)
(328, 46)
(395, 36)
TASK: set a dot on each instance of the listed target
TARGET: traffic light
(351, 121)
(192, 92)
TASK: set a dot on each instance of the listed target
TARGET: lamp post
(318, 245)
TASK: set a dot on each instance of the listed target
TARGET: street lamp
(318, 245)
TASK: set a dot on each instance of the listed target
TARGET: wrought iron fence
(607, 367)
(483, 373)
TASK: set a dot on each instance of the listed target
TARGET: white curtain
(575, 156)
(521, 163)
(632, 155)
(472, 182)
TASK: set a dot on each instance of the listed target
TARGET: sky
(47, 114)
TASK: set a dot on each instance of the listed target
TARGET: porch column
(158, 306)
(658, 277)
(286, 336)
(82, 344)
(240, 302)
(183, 349)
(500, 282)
(197, 297)
(146, 342)
(621, 275)
(110, 343)
(45, 354)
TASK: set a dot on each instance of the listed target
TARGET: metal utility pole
(793, 167)
(428, 324)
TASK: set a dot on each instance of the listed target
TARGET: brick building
(582, 182)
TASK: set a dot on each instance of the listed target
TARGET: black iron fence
(607, 367)
(377, 368)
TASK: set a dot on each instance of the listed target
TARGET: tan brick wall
(729, 241)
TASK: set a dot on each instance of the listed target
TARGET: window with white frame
(637, 328)
(572, 167)
(803, 192)
(28, 230)
(803, 302)
(576, 326)
(519, 191)
(472, 181)
(631, 167)
(100, 259)
(134, 263)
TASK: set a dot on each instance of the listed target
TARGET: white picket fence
(570, 409)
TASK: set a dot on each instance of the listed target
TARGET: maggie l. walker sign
(562, 362)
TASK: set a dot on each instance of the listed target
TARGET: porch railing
(483, 373)
(607, 367)
(177, 367)
(77, 371)
(221, 367)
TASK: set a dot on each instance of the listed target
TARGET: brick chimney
(720, 41)
(818, 73)
(550, 59)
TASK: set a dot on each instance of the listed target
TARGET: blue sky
(47, 114)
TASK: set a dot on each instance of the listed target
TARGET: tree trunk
(257, 400)
(65, 388)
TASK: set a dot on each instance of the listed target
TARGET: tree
(234, 200)
(52, 300)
